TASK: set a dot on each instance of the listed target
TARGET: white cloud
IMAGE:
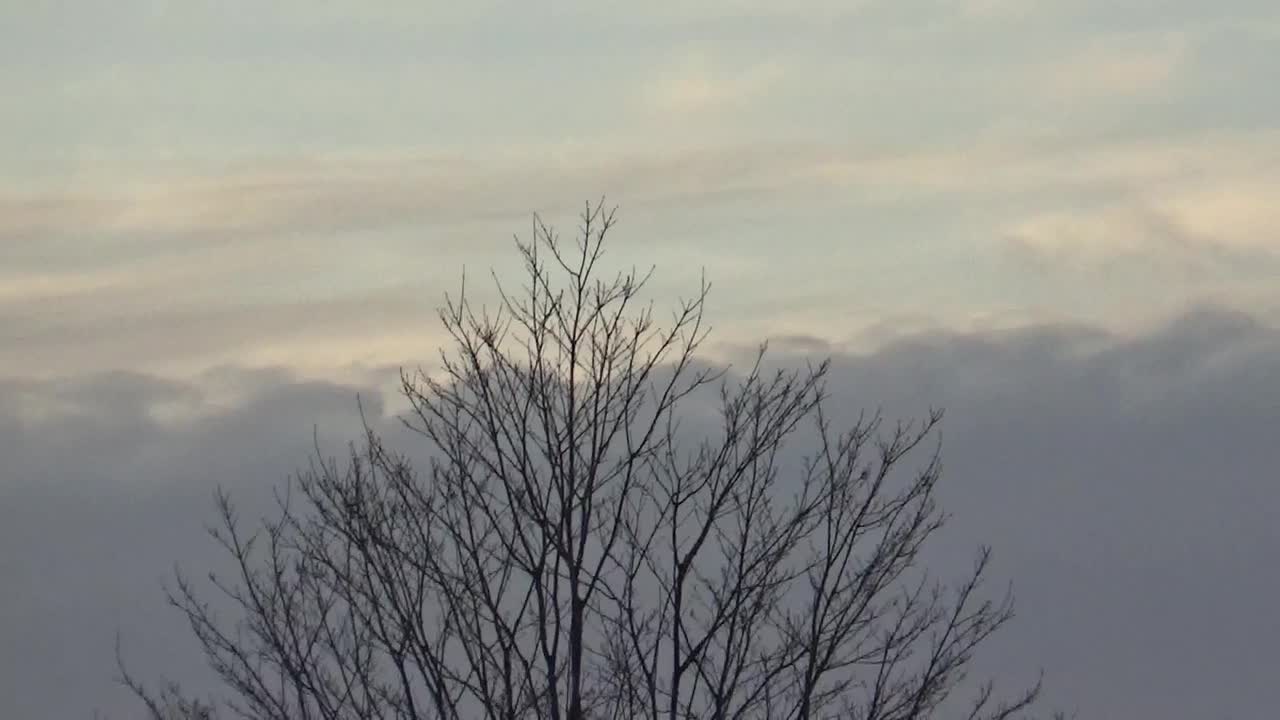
(1215, 222)
(1238, 212)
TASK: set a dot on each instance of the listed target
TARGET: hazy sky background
(1057, 218)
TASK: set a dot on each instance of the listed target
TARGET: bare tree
(572, 551)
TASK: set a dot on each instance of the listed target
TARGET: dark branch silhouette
(571, 551)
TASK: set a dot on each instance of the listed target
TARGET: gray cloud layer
(1129, 487)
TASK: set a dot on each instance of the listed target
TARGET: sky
(220, 221)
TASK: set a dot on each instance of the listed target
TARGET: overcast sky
(219, 221)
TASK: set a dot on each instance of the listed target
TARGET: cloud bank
(1129, 486)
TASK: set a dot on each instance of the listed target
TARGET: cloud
(1128, 485)
(1038, 165)
(370, 191)
(1108, 236)
(1185, 224)
(304, 194)
(1133, 68)
(103, 489)
(328, 261)
(315, 194)
(696, 85)
(76, 333)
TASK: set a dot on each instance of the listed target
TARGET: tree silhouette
(573, 549)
